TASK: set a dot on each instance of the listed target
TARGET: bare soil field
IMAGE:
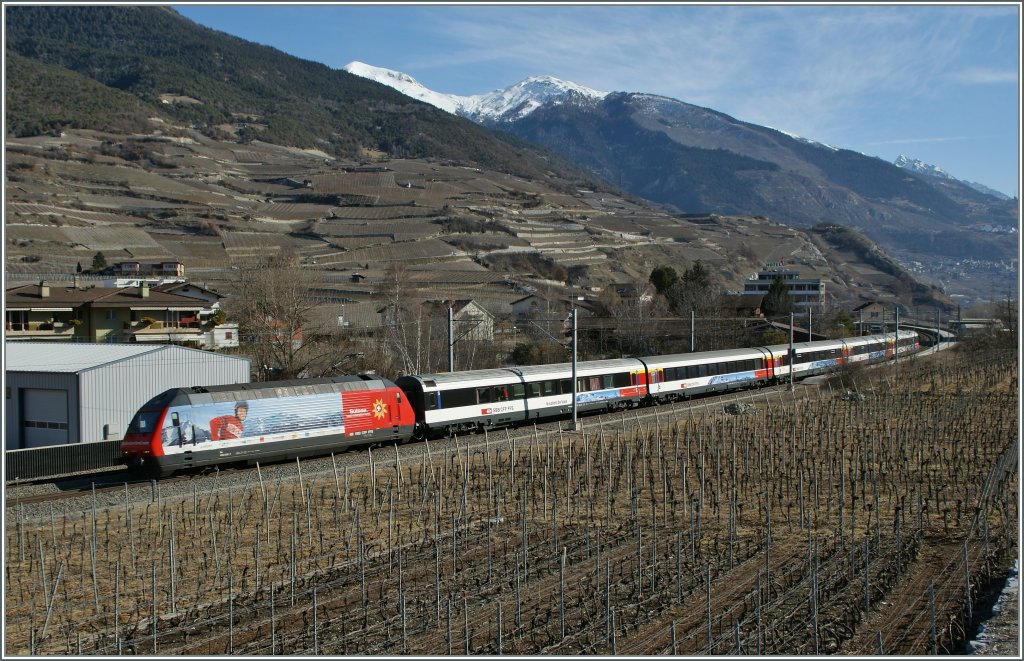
(862, 519)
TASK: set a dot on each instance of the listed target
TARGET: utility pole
(573, 425)
(451, 340)
(791, 356)
(897, 332)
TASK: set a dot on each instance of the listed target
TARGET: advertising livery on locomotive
(188, 427)
(215, 425)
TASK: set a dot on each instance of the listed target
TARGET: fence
(31, 463)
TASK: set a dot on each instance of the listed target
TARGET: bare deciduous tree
(275, 305)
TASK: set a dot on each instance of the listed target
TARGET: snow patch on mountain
(503, 105)
(524, 97)
(407, 85)
(804, 140)
(920, 167)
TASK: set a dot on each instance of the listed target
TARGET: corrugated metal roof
(79, 357)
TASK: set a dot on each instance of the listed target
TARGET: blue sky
(939, 83)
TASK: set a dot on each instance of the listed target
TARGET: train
(196, 427)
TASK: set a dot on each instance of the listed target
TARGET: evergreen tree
(99, 263)
(693, 291)
(777, 302)
(663, 278)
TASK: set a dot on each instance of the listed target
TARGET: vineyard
(858, 519)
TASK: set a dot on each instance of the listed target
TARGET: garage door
(44, 417)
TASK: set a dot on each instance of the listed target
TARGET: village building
(806, 293)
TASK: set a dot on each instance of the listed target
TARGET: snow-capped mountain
(503, 105)
(920, 167)
(407, 85)
(697, 159)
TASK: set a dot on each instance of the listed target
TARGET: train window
(143, 422)
(430, 401)
(518, 391)
(608, 381)
(620, 380)
(595, 383)
(534, 389)
(501, 394)
(581, 385)
(702, 370)
(429, 383)
(550, 388)
(459, 397)
(484, 395)
(567, 386)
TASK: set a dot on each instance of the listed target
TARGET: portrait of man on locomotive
(230, 426)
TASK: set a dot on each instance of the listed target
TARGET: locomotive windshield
(144, 422)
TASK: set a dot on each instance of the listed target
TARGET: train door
(638, 380)
(396, 410)
(655, 376)
(763, 367)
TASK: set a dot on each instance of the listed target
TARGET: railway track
(116, 481)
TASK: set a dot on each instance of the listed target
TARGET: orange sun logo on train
(380, 409)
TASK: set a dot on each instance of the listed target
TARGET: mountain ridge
(698, 159)
(176, 80)
(502, 105)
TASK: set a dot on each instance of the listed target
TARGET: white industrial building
(58, 393)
